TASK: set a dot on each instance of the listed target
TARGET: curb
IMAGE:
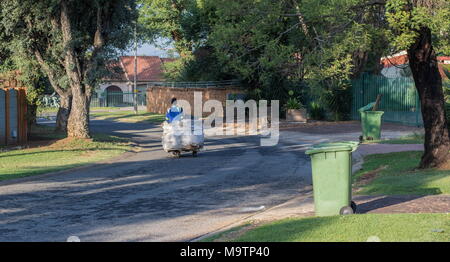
(247, 218)
(358, 161)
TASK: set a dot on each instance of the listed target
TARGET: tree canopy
(72, 41)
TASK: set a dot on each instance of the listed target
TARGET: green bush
(339, 100)
(293, 102)
(316, 111)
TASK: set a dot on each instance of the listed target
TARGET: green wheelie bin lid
(329, 147)
(374, 112)
(333, 147)
(353, 144)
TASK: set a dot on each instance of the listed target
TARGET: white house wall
(122, 85)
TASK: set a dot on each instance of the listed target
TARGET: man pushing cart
(181, 134)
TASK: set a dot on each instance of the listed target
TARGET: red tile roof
(441, 59)
(403, 59)
(394, 61)
(149, 68)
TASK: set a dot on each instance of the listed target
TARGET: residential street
(148, 196)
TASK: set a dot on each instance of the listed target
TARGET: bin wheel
(176, 154)
(194, 153)
(353, 206)
(346, 211)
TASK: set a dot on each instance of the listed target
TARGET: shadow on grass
(151, 117)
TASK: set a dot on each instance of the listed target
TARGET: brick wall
(158, 97)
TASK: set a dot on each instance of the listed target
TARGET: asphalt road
(149, 196)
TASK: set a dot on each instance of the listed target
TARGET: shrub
(316, 111)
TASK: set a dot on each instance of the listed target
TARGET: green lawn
(60, 154)
(353, 228)
(128, 116)
(396, 173)
(46, 111)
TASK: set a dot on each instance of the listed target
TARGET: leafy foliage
(405, 17)
(316, 111)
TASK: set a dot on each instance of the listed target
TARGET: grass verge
(415, 138)
(396, 174)
(354, 228)
(128, 116)
(51, 153)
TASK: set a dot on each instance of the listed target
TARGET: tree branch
(50, 74)
(70, 57)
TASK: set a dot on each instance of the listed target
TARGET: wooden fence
(13, 112)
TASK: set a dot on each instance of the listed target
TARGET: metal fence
(200, 84)
(117, 99)
(400, 100)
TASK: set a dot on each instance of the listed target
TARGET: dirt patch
(445, 167)
(69, 142)
(62, 143)
(230, 236)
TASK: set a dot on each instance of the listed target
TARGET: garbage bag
(171, 138)
(193, 133)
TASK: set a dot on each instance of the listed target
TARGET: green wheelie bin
(370, 122)
(332, 178)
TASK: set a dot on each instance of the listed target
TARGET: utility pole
(135, 70)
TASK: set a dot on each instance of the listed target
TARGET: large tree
(422, 27)
(72, 42)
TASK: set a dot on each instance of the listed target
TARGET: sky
(150, 50)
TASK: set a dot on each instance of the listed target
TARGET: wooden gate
(13, 120)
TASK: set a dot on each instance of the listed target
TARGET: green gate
(400, 100)
(117, 99)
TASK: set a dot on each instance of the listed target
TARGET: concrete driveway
(148, 196)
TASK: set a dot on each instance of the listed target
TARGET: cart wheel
(194, 153)
(353, 206)
(176, 154)
(346, 211)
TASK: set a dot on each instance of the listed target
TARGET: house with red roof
(398, 65)
(149, 69)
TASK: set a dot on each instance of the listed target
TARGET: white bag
(193, 133)
(181, 134)
(171, 139)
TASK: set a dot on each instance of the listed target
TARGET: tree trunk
(63, 112)
(78, 122)
(424, 67)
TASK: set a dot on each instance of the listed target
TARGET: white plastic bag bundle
(171, 139)
(195, 137)
(182, 134)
